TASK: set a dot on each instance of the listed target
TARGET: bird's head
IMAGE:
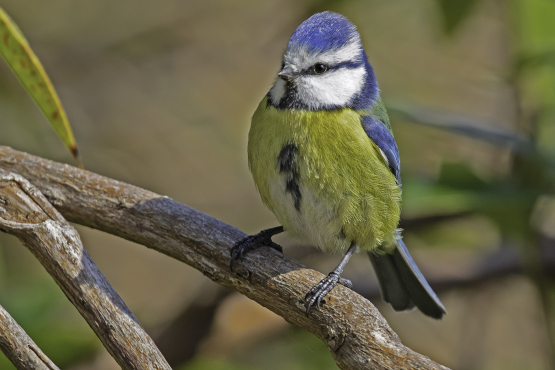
(324, 68)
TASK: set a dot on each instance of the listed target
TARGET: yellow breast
(323, 177)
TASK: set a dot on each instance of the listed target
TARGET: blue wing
(385, 141)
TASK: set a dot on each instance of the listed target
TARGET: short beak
(286, 74)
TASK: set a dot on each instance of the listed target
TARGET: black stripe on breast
(289, 166)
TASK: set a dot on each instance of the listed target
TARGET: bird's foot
(251, 242)
(320, 290)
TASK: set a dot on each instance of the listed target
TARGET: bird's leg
(325, 286)
(263, 238)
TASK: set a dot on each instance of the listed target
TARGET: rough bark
(352, 328)
(19, 348)
(25, 213)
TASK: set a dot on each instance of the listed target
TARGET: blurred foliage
(27, 67)
(293, 349)
(213, 364)
(509, 200)
(454, 12)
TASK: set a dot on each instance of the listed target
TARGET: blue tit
(324, 160)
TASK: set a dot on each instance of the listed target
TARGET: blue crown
(324, 31)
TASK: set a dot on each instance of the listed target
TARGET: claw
(236, 254)
(320, 290)
(263, 238)
(309, 305)
(346, 283)
(276, 246)
(233, 259)
(314, 289)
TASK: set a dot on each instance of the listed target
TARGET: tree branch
(179, 342)
(352, 328)
(19, 348)
(25, 213)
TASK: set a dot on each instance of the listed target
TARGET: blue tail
(403, 285)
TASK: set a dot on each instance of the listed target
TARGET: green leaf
(454, 12)
(24, 63)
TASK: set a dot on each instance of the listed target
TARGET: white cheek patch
(331, 88)
(278, 91)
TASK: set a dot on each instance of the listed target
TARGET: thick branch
(19, 348)
(26, 213)
(353, 329)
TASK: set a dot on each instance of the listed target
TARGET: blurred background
(160, 95)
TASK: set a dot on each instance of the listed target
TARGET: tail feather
(403, 285)
(394, 290)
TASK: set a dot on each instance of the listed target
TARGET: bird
(324, 160)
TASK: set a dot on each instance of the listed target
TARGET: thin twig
(19, 348)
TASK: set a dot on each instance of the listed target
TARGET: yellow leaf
(24, 63)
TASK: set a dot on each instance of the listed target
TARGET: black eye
(319, 68)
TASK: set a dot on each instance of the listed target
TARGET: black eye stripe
(316, 69)
(331, 67)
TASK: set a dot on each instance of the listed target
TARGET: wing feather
(382, 137)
